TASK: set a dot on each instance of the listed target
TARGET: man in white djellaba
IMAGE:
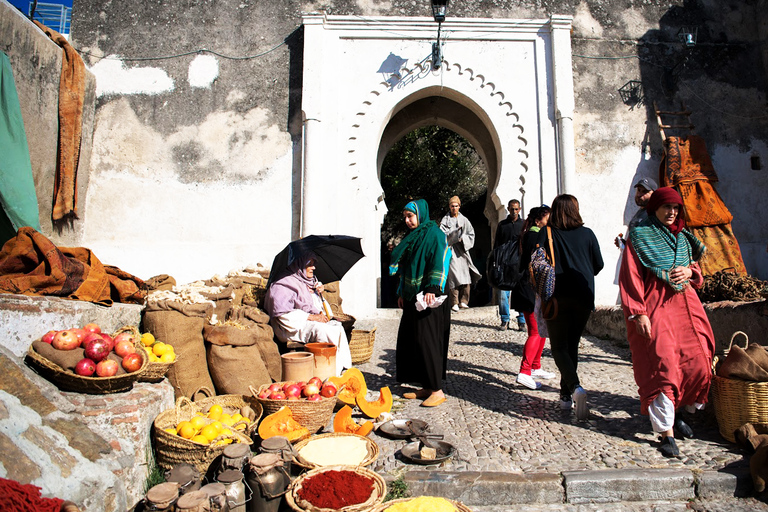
(461, 238)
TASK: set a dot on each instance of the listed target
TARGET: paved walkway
(515, 445)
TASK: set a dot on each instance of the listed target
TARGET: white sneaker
(566, 404)
(580, 400)
(455, 308)
(527, 381)
(463, 306)
(542, 374)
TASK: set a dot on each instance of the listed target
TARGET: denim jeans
(504, 308)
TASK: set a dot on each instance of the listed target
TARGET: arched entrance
(504, 85)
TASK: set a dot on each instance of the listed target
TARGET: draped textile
(688, 167)
(461, 238)
(71, 99)
(30, 264)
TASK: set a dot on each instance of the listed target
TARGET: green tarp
(17, 187)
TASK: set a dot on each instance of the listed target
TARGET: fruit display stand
(68, 381)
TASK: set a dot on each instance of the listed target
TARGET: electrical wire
(185, 54)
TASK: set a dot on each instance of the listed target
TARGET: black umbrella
(334, 256)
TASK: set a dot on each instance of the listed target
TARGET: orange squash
(375, 408)
(281, 423)
(343, 422)
(351, 384)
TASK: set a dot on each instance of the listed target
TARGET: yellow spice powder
(423, 504)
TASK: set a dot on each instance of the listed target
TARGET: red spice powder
(336, 489)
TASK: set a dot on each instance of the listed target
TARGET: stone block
(628, 485)
(725, 483)
(487, 488)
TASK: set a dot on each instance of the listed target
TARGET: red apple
(277, 395)
(48, 337)
(96, 348)
(310, 389)
(317, 381)
(106, 368)
(124, 347)
(93, 328)
(328, 390)
(65, 340)
(314, 398)
(292, 390)
(85, 367)
(132, 362)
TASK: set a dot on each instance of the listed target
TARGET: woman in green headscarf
(421, 262)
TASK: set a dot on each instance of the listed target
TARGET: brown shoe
(433, 401)
(420, 394)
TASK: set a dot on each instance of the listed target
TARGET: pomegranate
(127, 336)
(85, 367)
(132, 362)
(314, 398)
(109, 339)
(264, 394)
(275, 386)
(277, 395)
(328, 390)
(292, 390)
(96, 348)
(106, 368)
(65, 340)
(317, 381)
(81, 334)
(124, 347)
(310, 389)
(48, 337)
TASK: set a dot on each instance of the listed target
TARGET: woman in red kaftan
(669, 334)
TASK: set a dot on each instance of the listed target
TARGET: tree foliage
(431, 163)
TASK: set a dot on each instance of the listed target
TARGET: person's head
(305, 266)
(667, 206)
(537, 216)
(415, 213)
(565, 213)
(643, 190)
(453, 206)
(513, 207)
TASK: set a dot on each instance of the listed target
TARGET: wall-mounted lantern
(688, 36)
(439, 10)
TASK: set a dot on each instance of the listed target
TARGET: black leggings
(564, 336)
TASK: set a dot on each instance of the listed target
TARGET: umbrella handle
(327, 309)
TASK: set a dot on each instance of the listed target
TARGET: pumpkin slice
(281, 423)
(351, 384)
(343, 422)
(375, 408)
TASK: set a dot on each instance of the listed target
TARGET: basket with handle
(172, 449)
(312, 415)
(232, 402)
(738, 401)
(361, 345)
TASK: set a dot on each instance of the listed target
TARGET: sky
(24, 4)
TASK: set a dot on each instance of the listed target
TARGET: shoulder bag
(542, 269)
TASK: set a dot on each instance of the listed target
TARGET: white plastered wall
(514, 75)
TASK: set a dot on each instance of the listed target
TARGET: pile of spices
(336, 489)
(423, 504)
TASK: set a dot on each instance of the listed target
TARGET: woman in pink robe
(669, 334)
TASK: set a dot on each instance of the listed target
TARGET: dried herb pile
(725, 285)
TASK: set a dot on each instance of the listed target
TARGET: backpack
(503, 265)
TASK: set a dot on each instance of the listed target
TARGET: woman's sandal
(420, 394)
(433, 401)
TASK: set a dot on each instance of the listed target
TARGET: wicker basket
(171, 449)
(155, 371)
(312, 415)
(361, 345)
(377, 495)
(234, 402)
(347, 322)
(384, 506)
(68, 381)
(373, 449)
(738, 401)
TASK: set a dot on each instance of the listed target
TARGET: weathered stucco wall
(196, 166)
(36, 63)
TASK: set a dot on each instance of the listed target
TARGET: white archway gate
(505, 85)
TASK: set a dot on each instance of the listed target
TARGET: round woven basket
(171, 449)
(347, 322)
(311, 415)
(377, 495)
(372, 447)
(738, 401)
(233, 402)
(384, 506)
(155, 371)
(361, 345)
(68, 381)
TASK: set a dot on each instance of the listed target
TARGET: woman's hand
(319, 288)
(400, 302)
(680, 275)
(643, 326)
(318, 318)
(429, 298)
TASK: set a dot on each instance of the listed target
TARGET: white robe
(461, 238)
(295, 326)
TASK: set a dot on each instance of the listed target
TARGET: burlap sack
(239, 358)
(332, 294)
(739, 365)
(759, 355)
(160, 282)
(185, 334)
